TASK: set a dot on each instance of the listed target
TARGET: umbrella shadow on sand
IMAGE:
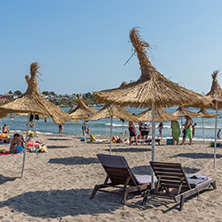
(77, 160)
(120, 150)
(61, 203)
(57, 147)
(56, 139)
(4, 179)
(197, 155)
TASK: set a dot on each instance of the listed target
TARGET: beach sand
(57, 185)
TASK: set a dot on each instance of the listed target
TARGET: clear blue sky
(82, 45)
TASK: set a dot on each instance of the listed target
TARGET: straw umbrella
(81, 111)
(160, 115)
(33, 102)
(152, 89)
(181, 112)
(216, 95)
(204, 114)
(113, 111)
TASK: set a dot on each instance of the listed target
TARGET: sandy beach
(57, 185)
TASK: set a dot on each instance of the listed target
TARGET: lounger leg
(144, 200)
(181, 202)
(94, 191)
(214, 184)
(125, 194)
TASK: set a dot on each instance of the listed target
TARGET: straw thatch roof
(215, 92)
(113, 111)
(81, 111)
(160, 116)
(151, 86)
(181, 111)
(32, 101)
(203, 113)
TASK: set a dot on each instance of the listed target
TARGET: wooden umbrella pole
(153, 141)
(33, 139)
(69, 128)
(76, 128)
(111, 132)
(26, 138)
(215, 138)
(203, 130)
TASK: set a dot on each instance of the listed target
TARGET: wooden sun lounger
(119, 175)
(174, 184)
(147, 141)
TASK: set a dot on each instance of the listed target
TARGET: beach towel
(175, 130)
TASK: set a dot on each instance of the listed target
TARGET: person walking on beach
(187, 132)
(160, 127)
(175, 131)
(60, 129)
(193, 129)
(132, 132)
(218, 134)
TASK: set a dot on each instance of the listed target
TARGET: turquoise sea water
(102, 127)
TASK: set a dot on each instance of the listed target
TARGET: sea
(102, 127)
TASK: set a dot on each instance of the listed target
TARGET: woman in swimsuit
(132, 132)
(160, 127)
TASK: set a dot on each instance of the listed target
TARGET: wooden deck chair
(119, 175)
(174, 184)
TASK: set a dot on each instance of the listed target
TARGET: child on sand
(160, 127)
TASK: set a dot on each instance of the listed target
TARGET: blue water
(102, 127)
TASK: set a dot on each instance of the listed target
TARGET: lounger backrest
(170, 175)
(117, 169)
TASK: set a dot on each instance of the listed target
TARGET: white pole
(33, 139)
(111, 132)
(69, 128)
(123, 129)
(106, 127)
(26, 138)
(203, 130)
(153, 141)
(215, 139)
(181, 124)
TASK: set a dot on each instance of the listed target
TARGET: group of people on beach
(144, 128)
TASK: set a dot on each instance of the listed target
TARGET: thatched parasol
(81, 111)
(160, 115)
(204, 114)
(33, 102)
(113, 111)
(216, 95)
(151, 89)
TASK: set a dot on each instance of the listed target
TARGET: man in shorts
(187, 132)
(145, 130)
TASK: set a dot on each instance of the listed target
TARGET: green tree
(52, 93)
(45, 93)
(18, 92)
(10, 92)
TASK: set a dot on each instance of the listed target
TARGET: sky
(81, 46)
